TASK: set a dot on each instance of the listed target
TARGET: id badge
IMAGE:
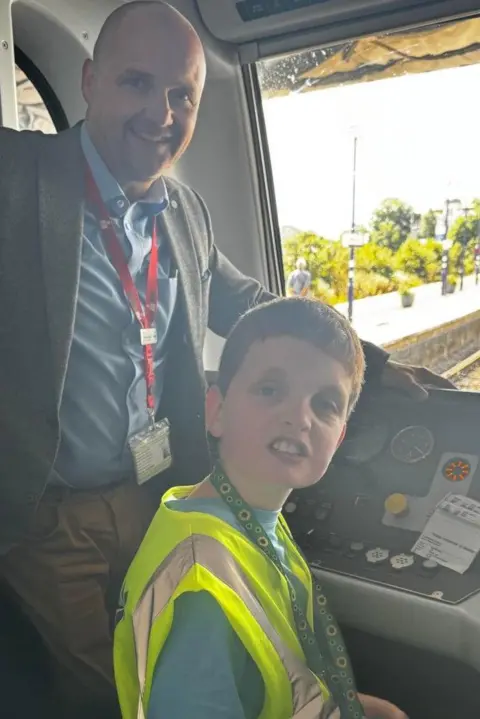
(148, 336)
(151, 451)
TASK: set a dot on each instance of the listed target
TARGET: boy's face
(283, 415)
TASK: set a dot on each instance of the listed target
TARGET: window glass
(374, 148)
(32, 112)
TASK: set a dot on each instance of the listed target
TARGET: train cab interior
(289, 82)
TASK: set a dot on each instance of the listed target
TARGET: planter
(449, 288)
(407, 300)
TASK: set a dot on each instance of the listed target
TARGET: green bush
(455, 257)
(406, 286)
(421, 259)
(374, 258)
(391, 261)
(369, 284)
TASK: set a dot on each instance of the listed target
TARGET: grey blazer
(41, 214)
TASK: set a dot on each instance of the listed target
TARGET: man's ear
(88, 74)
(213, 412)
(342, 435)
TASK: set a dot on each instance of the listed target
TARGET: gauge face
(365, 442)
(412, 444)
(456, 470)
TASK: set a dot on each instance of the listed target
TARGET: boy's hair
(301, 318)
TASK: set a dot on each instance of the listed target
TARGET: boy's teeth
(284, 446)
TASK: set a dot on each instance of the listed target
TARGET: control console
(398, 460)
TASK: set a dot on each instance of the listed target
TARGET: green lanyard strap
(325, 651)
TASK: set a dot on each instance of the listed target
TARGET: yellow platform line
(461, 366)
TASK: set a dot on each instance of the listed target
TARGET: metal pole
(354, 183)
(351, 258)
(445, 252)
(351, 276)
(466, 210)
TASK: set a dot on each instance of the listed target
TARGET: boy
(217, 619)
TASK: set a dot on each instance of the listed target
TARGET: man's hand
(412, 380)
(376, 708)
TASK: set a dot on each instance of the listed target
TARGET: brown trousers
(67, 574)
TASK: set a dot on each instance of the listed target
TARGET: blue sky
(419, 140)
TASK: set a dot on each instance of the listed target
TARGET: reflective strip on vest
(205, 551)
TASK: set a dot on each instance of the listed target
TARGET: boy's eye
(267, 390)
(322, 406)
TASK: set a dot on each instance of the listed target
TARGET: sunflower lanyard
(329, 661)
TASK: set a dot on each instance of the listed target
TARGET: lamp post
(352, 240)
(351, 255)
(441, 234)
(466, 212)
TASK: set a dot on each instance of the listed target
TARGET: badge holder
(151, 450)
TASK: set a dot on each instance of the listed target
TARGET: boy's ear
(213, 411)
(342, 435)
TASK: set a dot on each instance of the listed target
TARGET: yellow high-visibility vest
(194, 552)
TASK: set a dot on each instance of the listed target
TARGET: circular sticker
(456, 470)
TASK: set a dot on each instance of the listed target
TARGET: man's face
(143, 95)
(283, 415)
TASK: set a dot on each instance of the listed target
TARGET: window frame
(269, 211)
(44, 89)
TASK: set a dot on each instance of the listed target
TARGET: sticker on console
(452, 534)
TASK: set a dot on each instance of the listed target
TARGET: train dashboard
(360, 524)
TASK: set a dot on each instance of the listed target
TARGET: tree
(420, 259)
(463, 230)
(375, 258)
(392, 223)
(428, 224)
(327, 262)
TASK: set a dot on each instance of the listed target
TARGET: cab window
(32, 110)
(373, 146)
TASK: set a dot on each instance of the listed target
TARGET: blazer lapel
(175, 228)
(60, 193)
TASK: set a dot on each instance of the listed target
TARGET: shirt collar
(154, 202)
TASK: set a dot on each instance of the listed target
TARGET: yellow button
(396, 504)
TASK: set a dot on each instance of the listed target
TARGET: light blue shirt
(204, 670)
(104, 398)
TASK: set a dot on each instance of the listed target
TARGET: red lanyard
(145, 315)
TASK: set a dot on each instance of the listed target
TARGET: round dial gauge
(412, 444)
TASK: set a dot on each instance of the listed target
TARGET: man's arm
(233, 293)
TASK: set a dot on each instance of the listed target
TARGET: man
(299, 281)
(78, 342)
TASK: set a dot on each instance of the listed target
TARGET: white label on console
(452, 535)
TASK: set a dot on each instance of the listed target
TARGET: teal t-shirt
(204, 671)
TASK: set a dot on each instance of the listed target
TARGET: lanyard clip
(151, 418)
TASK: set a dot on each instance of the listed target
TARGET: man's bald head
(143, 90)
(173, 19)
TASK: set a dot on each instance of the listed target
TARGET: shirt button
(120, 203)
(174, 204)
